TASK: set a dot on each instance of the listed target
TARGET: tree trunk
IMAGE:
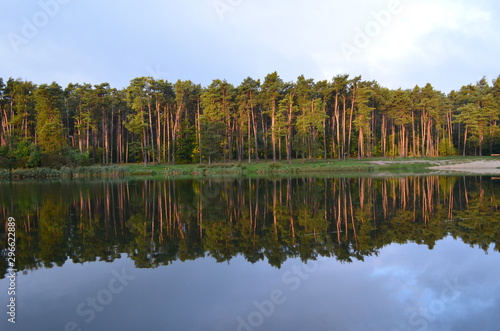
(273, 133)
(158, 131)
(255, 137)
(414, 140)
(151, 130)
(343, 128)
(361, 144)
(384, 136)
(249, 137)
(465, 139)
(335, 120)
(199, 128)
(353, 101)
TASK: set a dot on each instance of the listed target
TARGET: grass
(333, 166)
(114, 171)
(245, 168)
(253, 169)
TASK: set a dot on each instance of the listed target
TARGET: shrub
(4, 174)
(4, 150)
(77, 158)
(446, 148)
(274, 166)
(22, 150)
(35, 158)
(21, 163)
(54, 161)
(5, 162)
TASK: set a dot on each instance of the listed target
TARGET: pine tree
(271, 95)
(49, 127)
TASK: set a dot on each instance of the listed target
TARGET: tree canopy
(158, 121)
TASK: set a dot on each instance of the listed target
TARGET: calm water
(411, 253)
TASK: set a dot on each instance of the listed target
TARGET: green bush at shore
(114, 171)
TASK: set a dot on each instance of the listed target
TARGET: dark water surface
(409, 253)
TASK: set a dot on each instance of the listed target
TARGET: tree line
(153, 120)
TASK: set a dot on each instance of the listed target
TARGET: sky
(398, 43)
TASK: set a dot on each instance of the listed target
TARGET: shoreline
(470, 166)
(475, 167)
(371, 167)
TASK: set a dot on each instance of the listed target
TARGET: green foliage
(135, 123)
(49, 125)
(25, 155)
(186, 144)
(155, 120)
(64, 172)
(22, 150)
(212, 136)
(55, 161)
(5, 162)
(4, 150)
(274, 166)
(446, 148)
(134, 152)
(76, 158)
(35, 158)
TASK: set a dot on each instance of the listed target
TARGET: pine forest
(156, 121)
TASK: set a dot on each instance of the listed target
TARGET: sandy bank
(474, 167)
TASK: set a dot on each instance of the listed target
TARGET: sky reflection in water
(406, 287)
(180, 254)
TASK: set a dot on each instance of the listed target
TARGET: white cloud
(425, 41)
(425, 35)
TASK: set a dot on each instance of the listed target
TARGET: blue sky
(399, 43)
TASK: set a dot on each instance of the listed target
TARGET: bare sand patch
(486, 167)
(474, 167)
(388, 162)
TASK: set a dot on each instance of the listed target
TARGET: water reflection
(158, 222)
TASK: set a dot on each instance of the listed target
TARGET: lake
(300, 253)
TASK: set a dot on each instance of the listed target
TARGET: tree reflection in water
(156, 222)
